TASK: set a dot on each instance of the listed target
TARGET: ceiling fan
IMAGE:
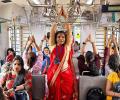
(6, 1)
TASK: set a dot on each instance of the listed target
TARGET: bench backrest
(87, 82)
(38, 87)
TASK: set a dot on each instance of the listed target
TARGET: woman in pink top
(32, 61)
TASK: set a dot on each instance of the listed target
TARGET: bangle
(84, 43)
(24, 87)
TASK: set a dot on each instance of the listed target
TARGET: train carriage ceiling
(25, 2)
(78, 10)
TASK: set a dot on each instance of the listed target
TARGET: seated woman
(7, 79)
(112, 41)
(76, 46)
(8, 60)
(22, 81)
(105, 68)
(113, 79)
(46, 60)
(89, 61)
(10, 55)
(46, 54)
(32, 62)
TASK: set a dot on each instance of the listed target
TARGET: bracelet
(84, 43)
(24, 87)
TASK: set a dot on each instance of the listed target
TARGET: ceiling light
(36, 1)
(6, 1)
(89, 2)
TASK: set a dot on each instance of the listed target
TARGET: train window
(17, 38)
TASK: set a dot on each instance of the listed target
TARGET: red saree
(62, 86)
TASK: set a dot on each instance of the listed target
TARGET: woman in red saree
(61, 77)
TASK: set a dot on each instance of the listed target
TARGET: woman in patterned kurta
(23, 80)
(7, 82)
(10, 79)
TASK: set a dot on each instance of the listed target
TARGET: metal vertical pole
(14, 32)
(105, 36)
(119, 35)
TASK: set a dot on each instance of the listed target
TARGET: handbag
(21, 95)
(95, 93)
(116, 88)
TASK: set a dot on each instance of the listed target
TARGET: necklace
(57, 58)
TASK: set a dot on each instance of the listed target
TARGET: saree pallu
(61, 82)
(62, 88)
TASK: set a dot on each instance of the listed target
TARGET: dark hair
(77, 42)
(114, 62)
(113, 47)
(19, 58)
(46, 48)
(2, 97)
(89, 56)
(92, 67)
(48, 35)
(60, 32)
(11, 49)
(44, 56)
(31, 59)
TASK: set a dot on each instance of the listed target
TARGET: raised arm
(114, 40)
(107, 52)
(63, 13)
(93, 44)
(108, 45)
(42, 43)
(84, 45)
(69, 38)
(67, 27)
(28, 43)
(52, 34)
(35, 44)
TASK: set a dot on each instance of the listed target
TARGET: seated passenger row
(85, 83)
(17, 80)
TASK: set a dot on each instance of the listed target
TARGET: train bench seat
(85, 83)
(38, 87)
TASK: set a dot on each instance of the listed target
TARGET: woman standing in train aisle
(61, 75)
